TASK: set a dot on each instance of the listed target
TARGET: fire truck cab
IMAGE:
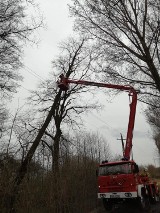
(117, 180)
(121, 182)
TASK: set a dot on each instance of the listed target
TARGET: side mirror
(136, 168)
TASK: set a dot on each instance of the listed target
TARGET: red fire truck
(121, 181)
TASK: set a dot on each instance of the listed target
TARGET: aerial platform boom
(64, 82)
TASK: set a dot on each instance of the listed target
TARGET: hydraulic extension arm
(64, 85)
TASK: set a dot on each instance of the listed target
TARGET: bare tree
(16, 27)
(74, 61)
(153, 116)
(58, 106)
(126, 35)
(3, 119)
(92, 146)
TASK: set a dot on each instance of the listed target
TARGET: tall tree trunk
(55, 165)
(55, 170)
(23, 168)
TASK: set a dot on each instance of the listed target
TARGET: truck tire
(144, 203)
(107, 205)
(157, 198)
(154, 197)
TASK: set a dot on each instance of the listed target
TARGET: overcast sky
(113, 119)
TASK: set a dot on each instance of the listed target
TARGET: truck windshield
(114, 169)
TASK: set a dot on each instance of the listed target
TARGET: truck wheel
(154, 197)
(144, 203)
(107, 205)
(157, 198)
